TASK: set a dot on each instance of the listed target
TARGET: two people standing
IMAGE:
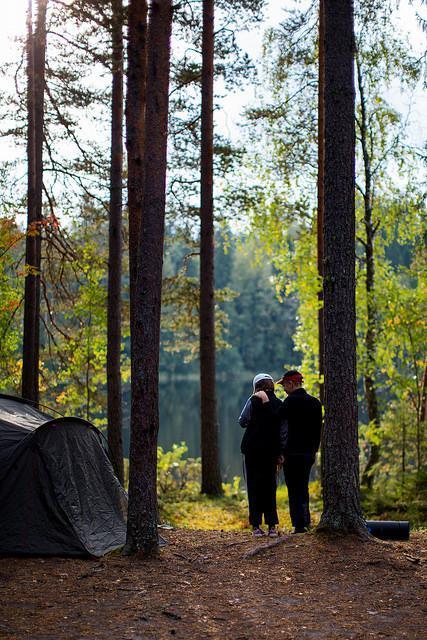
(285, 433)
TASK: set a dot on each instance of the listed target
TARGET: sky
(12, 23)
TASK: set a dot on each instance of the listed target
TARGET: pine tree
(142, 536)
(320, 185)
(340, 477)
(211, 475)
(36, 55)
(114, 382)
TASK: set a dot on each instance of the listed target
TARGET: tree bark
(142, 536)
(135, 127)
(423, 410)
(320, 189)
(371, 331)
(114, 381)
(36, 55)
(211, 475)
(340, 478)
(403, 452)
(135, 136)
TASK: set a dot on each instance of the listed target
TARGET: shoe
(258, 532)
(272, 532)
(299, 530)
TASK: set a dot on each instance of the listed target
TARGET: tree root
(266, 547)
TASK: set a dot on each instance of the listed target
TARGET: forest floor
(217, 584)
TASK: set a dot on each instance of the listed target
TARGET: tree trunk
(135, 135)
(211, 475)
(423, 409)
(403, 452)
(142, 536)
(114, 381)
(371, 331)
(88, 363)
(320, 189)
(340, 477)
(135, 129)
(36, 54)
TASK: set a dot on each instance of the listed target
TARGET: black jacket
(301, 424)
(261, 422)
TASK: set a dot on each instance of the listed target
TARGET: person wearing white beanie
(261, 449)
(259, 377)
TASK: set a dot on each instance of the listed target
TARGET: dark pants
(261, 484)
(297, 474)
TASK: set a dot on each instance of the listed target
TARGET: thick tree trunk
(135, 135)
(371, 331)
(340, 477)
(320, 189)
(211, 475)
(114, 380)
(142, 536)
(135, 128)
(36, 55)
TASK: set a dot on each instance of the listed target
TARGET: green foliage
(251, 320)
(178, 478)
(11, 298)
(259, 321)
(180, 501)
(75, 329)
(181, 315)
(396, 501)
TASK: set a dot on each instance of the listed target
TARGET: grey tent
(58, 491)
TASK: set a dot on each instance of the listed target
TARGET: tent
(58, 491)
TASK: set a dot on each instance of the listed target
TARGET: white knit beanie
(261, 376)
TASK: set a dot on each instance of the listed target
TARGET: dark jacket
(301, 424)
(261, 422)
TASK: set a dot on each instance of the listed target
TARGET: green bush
(178, 478)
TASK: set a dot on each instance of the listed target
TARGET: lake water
(180, 419)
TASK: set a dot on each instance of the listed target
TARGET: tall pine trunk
(320, 189)
(135, 134)
(114, 381)
(135, 127)
(211, 475)
(371, 331)
(142, 536)
(340, 476)
(36, 55)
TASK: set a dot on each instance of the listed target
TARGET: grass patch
(229, 512)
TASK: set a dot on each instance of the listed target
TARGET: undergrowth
(183, 506)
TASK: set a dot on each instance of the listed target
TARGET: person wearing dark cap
(301, 424)
(261, 448)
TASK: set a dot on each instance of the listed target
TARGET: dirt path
(204, 585)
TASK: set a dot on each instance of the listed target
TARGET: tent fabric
(58, 491)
